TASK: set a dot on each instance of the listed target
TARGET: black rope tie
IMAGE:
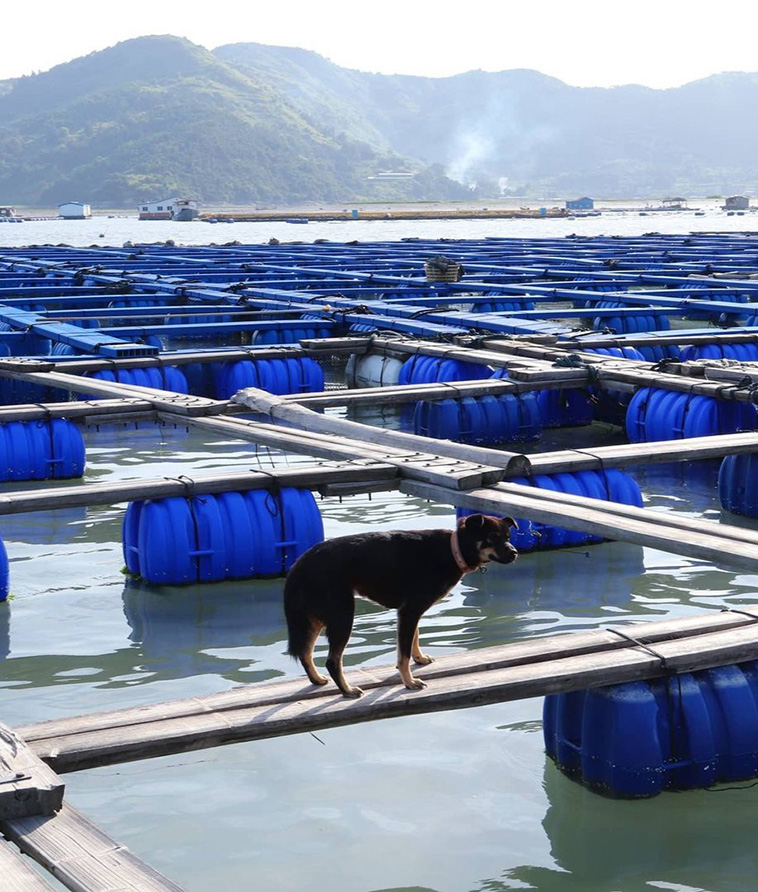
(651, 650)
(188, 484)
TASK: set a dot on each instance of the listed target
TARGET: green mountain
(159, 116)
(252, 124)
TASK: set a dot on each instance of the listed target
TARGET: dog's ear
(474, 523)
(508, 522)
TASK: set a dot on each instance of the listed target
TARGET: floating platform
(657, 336)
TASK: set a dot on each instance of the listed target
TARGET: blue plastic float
(656, 414)
(738, 484)
(507, 417)
(209, 538)
(41, 450)
(635, 740)
(421, 369)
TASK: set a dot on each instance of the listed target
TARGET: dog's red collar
(457, 555)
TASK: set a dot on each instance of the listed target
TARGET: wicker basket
(434, 273)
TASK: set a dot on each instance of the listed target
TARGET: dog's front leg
(418, 655)
(407, 643)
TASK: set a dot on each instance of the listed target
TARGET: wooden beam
(417, 457)
(628, 454)
(17, 873)
(312, 709)
(27, 785)
(81, 856)
(42, 735)
(601, 519)
(308, 476)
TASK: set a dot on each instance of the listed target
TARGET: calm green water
(462, 801)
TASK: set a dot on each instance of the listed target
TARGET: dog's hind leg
(306, 655)
(407, 637)
(338, 632)
(418, 655)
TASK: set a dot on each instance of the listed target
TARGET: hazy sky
(658, 43)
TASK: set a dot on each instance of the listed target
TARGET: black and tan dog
(408, 570)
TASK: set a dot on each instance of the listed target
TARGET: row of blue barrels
(209, 538)
(501, 418)
(656, 414)
(421, 369)
(220, 380)
(739, 352)
(41, 450)
(289, 335)
(637, 739)
(507, 417)
(610, 485)
(632, 324)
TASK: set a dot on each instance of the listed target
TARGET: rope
(651, 650)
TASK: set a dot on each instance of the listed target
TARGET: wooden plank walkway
(17, 874)
(27, 785)
(81, 856)
(531, 668)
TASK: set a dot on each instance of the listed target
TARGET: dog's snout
(506, 554)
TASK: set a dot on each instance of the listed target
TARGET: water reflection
(195, 630)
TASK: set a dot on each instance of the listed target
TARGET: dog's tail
(299, 626)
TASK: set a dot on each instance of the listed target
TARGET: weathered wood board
(27, 785)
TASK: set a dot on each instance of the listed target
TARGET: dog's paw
(352, 693)
(319, 679)
(423, 659)
(415, 684)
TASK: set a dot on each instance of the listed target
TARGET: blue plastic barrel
(655, 414)
(208, 538)
(299, 374)
(488, 419)
(682, 732)
(738, 484)
(41, 450)
(431, 369)
(157, 378)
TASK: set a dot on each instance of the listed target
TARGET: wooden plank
(17, 874)
(417, 457)
(81, 410)
(41, 735)
(307, 476)
(83, 857)
(299, 417)
(707, 545)
(408, 393)
(163, 737)
(27, 785)
(668, 520)
(628, 454)
(158, 399)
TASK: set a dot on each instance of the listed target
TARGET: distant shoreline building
(169, 209)
(74, 210)
(736, 203)
(580, 204)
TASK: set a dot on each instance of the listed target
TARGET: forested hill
(251, 124)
